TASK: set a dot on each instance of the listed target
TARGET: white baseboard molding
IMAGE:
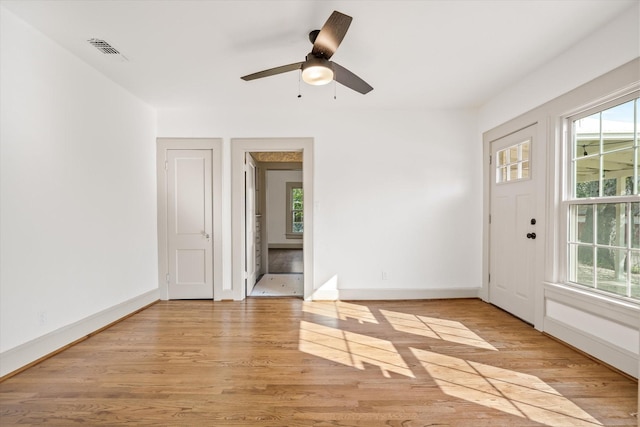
(29, 352)
(610, 354)
(394, 294)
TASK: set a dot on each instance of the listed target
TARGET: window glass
(297, 223)
(582, 265)
(617, 127)
(582, 221)
(586, 133)
(513, 163)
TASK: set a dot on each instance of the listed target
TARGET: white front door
(513, 224)
(189, 223)
(250, 222)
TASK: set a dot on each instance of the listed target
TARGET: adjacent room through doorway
(278, 224)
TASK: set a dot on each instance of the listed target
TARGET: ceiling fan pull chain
(299, 76)
(334, 89)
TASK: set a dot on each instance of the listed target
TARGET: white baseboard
(24, 354)
(394, 294)
(601, 326)
(615, 356)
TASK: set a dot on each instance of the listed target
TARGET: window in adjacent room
(602, 205)
(295, 209)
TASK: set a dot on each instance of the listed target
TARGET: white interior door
(250, 222)
(513, 224)
(189, 222)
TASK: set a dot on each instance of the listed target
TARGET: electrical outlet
(42, 318)
(385, 275)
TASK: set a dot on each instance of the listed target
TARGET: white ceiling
(416, 54)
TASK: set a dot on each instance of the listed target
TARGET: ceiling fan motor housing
(317, 70)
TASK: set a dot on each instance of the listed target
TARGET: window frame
(290, 233)
(569, 199)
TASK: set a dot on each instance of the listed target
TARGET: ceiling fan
(316, 68)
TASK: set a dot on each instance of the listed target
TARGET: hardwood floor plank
(286, 362)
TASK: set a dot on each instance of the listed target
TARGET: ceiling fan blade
(331, 35)
(350, 80)
(273, 71)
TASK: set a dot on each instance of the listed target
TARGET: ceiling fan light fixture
(317, 71)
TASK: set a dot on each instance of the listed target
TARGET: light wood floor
(284, 362)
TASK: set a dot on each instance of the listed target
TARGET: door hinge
(490, 158)
(167, 277)
(489, 277)
(489, 218)
(166, 165)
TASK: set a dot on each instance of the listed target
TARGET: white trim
(394, 294)
(607, 308)
(594, 346)
(240, 146)
(215, 145)
(17, 357)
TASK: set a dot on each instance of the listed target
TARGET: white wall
(611, 46)
(277, 205)
(394, 190)
(78, 206)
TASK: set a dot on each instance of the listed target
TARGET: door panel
(512, 245)
(189, 220)
(250, 224)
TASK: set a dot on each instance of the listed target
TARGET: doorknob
(205, 235)
(531, 235)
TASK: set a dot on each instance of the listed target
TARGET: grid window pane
(502, 158)
(525, 170)
(617, 127)
(612, 276)
(610, 223)
(513, 154)
(513, 172)
(582, 223)
(582, 272)
(501, 174)
(587, 178)
(586, 133)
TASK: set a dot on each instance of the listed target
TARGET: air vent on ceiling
(106, 48)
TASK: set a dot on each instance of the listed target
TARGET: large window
(603, 205)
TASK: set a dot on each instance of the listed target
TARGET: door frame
(540, 162)
(250, 222)
(239, 148)
(162, 147)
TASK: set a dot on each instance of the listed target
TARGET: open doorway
(258, 250)
(278, 223)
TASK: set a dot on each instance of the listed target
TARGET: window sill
(294, 235)
(627, 311)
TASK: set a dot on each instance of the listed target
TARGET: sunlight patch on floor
(431, 327)
(340, 310)
(515, 393)
(351, 349)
